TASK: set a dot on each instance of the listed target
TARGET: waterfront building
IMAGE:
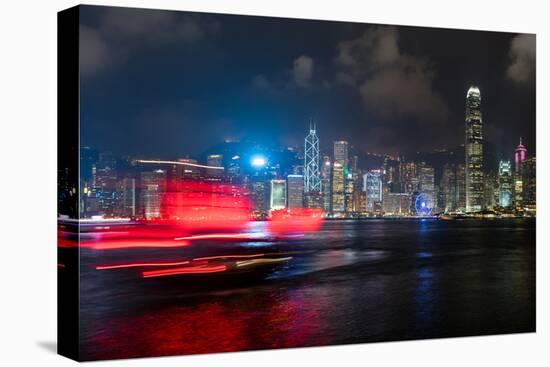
(295, 192)
(326, 184)
(153, 186)
(338, 195)
(312, 179)
(259, 193)
(408, 177)
(396, 203)
(277, 195)
(127, 197)
(372, 185)
(474, 151)
(426, 184)
(341, 152)
(530, 185)
(519, 156)
(505, 184)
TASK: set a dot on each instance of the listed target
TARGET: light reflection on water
(351, 282)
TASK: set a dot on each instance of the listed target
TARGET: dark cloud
(391, 83)
(119, 31)
(522, 56)
(302, 71)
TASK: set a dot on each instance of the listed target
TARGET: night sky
(170, 84)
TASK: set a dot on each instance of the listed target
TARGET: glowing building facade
(338, 194)
(153, 186)
(474, 151)
(519, 156)
(372, 185)
(312, 180)
(505, 184)
(277, 195)
(426, 183)
(295, 189)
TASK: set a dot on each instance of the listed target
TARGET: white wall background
(28, 182)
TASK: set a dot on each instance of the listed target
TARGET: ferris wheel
(421, 204)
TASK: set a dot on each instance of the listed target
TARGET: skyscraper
(530, 185)
(341, 152)
(504, 184)
(312, 181)
(153, 186)
(426, 184)
(338, 195)
(127, 197)
(326, 183)
(408, 176)
(295, 191)
(474, 151)
(372, 184)
(278, 195)
(519, 157)
(448, 187)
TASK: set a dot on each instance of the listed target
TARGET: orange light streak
(137, 265)
(184, 270)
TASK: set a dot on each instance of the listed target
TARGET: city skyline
(341, 186)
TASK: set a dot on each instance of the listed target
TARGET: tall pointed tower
(473, 146)
(312, 180)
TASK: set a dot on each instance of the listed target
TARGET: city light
(258, 161)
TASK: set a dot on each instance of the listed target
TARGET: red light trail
(113, 245)
(184, 270)
(137, 265)
(227, 257)
(179, 163)
(217, 236)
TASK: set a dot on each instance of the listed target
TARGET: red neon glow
(227, 257)
(60, 265)
(299, 220)
(138, 265)
(198, 206)
(113, 245)
(184, 270)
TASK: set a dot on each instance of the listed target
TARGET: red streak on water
(184, 270)
(137, 265)
(297, 220)
(227, 257)
(129, 244)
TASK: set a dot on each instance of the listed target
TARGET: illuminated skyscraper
(312, 181)
(127, 197)
(373, 186)
(519, 157)
(259, 192)
(341, 152)
(278, 195)
(326, 183)
(461, 187)
(426, 184)
(295, 189)
(474, 151)
(448, 187)
(408, 176)
(338, 195)
(530, 185)
(505, 184)
(153, 186)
